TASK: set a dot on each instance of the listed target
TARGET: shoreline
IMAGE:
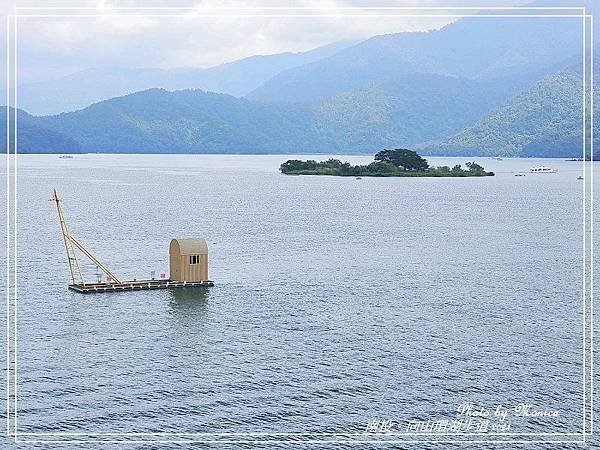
(286, 154)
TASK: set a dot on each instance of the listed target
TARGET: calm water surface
(336, 301)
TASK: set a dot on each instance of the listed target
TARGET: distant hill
(34, 137)
(187, 121)
(84, 88)
(432, 113)
(544, 120)
(407, 110)
(476, 48)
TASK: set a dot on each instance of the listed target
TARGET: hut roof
(191, 246)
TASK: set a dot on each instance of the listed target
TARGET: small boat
(580, 177)
(519, 174)
(66, 156)
(497, 158)
(542, 169)
(359, 178)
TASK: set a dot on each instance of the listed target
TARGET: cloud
(53, 46)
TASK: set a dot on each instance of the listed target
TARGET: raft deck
(136, 285)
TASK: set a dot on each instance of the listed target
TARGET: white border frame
(367, 437)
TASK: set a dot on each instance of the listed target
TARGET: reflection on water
(189, 301)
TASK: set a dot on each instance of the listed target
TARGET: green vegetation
(424, 111)
(545, 120)
(388, 163)
(33, 137)
(411, 109)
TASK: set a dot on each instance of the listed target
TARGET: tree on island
(474, 167)
(404, 158)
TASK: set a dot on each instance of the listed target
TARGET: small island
(388, 163)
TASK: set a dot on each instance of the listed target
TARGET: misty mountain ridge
(488, 86)
(410, 110)
(81, 89)
(476, 48)
(546, 119)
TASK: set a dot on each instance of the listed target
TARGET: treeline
(387, 163)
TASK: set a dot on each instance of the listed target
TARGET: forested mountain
(546, 119)
(34, 137)
(543, 120)
(187, 121)
(476, 48)
(84, 88)
(410, 109)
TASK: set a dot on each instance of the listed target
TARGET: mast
(72, 259)
(71, 243)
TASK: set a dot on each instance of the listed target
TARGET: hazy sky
(51, 46)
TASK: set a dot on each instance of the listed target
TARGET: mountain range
(479, 86)
(476, 48)
(237, 78)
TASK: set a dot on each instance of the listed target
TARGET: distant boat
(542, 169)
(359, 178)
(519, 174)
(573, 159)
(497, 158)
(66, 156)
(580, 177)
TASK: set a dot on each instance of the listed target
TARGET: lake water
(336, 301)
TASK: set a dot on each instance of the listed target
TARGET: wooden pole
(74, 266)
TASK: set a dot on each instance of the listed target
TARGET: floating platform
(136, 285)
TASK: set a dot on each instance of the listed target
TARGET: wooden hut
(188, 260)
